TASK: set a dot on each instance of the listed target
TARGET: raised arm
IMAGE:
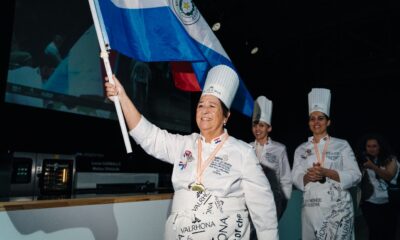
(131, 114)
(387, 173)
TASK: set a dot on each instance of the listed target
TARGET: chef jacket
(234, 181)
(273, 155)
(327, 211)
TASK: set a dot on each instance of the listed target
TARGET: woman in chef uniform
(217, 178)
(271, 154)
(325, 168)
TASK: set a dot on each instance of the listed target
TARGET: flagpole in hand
(104, 47)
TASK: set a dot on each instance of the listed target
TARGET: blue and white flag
(166, 30)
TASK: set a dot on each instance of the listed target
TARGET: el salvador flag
(167, 30)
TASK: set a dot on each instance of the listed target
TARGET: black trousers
(394, 201)
(379, 220)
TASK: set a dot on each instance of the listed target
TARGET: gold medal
(198, 187)
(201, 167)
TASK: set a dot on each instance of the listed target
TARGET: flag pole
(104, 47)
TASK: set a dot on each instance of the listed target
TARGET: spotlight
(216, 26)
(252, 47)
(254, 50)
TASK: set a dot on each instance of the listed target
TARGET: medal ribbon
(259, 148)
(258, 151)
(320, 159)
(200, 166)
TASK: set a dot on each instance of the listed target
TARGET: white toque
(222, 82)
(262, 110)
(319, 99)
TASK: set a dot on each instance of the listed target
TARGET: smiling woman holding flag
(166, 31)
(163, 31)
(217, 178)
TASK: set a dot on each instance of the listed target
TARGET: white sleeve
(350, 176)
(155, 141)
(285, 174)
(299, 169)
(259, 198)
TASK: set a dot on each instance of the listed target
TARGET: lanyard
(202, 166)
(259, 148)
(320, 159)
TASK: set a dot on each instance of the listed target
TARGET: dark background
(351, 48)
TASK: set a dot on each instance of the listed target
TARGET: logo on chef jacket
(271, 158)
(333, 156)
(307, 154)
(182, 165)
(217, 140)
(221, 165)
(188, 157)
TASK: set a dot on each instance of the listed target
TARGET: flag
(168, 30)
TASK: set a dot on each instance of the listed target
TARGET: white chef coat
(234, 182)
(273, 157)
(327, 211)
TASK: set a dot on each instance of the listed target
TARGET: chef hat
(222, 82)
(262, 110)
(319, 99)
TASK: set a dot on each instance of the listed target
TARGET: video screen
(55, 64)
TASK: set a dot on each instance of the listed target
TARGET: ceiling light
(216, 26)
(254, 50)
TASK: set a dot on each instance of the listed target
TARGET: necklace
(201, 167)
